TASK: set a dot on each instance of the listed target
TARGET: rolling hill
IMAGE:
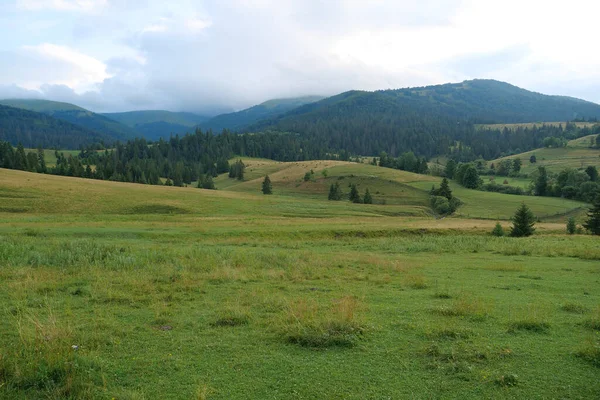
(154, 124)
(109, 129)
(33, 129)
(577, 154)
(270, 109)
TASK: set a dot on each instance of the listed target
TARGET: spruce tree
(593, 222)
(498, 230)
(267, 188)
(354, 195)
(523, 222)
(335, 193)
(367, 199)
(541, 183)
(445, 190)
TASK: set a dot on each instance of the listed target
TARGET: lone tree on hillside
(533, 159)
(523, 222)
(267, 188)
(593, 222)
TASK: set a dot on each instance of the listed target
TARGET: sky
(211, 56)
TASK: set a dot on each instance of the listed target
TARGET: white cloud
(200, 55)
(62, 5)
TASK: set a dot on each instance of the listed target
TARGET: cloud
(229, 54)
(62, 5)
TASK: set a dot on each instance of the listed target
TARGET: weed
(464, 307)
(529, 326)
(590, 352)
(416, 281)
(308, 325)
(508, 380)
(574, 308)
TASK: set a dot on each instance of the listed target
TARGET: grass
(183, 293)
(576, 155)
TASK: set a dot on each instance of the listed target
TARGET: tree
(206, 182)
(367, 199)
(523, 222)
(354, 195)
(237, 170)
(516, 167)
(593, 221)
(267, 188)
(541, 183)
(533, 159)
(444, 189)
(498, 230)
(335, 192)
(571, 226)
(592, 172)
(168, 182)
(42, 168)
(471, 178)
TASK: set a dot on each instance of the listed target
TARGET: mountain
(33, 129)
(106, 127)
(425, 120)
(270, 109)
(153, 124)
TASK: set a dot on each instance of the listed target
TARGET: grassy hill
(34, 129)
(154, 124)
(577, 154)
(108, 128)
(269, 109)
(128, 291)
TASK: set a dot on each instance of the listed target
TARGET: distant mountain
(426, 120)
(34, 129)
(106, 127)
(153, 124)
(270, 109)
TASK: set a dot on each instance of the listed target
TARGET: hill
(270, 109)
(425, 120)
(108, 128)
(34, 129)
(576, 154)
(154, 124)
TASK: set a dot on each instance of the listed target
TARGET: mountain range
(347, 115)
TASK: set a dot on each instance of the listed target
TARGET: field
(125, 291)
(576, 155)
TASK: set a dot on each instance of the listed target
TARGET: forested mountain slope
(34, 129)
(76, 115)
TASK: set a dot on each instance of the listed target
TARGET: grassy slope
(392, 186)
(577, 154)
(183, 293)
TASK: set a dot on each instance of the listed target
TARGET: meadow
(124, 291)
(577, 154)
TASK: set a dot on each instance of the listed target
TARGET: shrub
(571, 226)
(498, 231)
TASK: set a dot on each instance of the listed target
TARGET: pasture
(125, 291)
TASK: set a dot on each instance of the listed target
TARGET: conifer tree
(593, 222)
(445, 190)
(498, 230)
(523, 222)
(267, 187)
(354, 195)
(367, 199)
(335, 192)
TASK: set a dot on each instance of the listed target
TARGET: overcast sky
(214, 55)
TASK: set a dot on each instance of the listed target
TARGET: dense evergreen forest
(33, 129)
(110, 129)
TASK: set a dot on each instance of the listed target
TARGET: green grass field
(576, 155)
(124, 291)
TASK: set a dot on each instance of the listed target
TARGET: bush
(571, 226)
(498, 231)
